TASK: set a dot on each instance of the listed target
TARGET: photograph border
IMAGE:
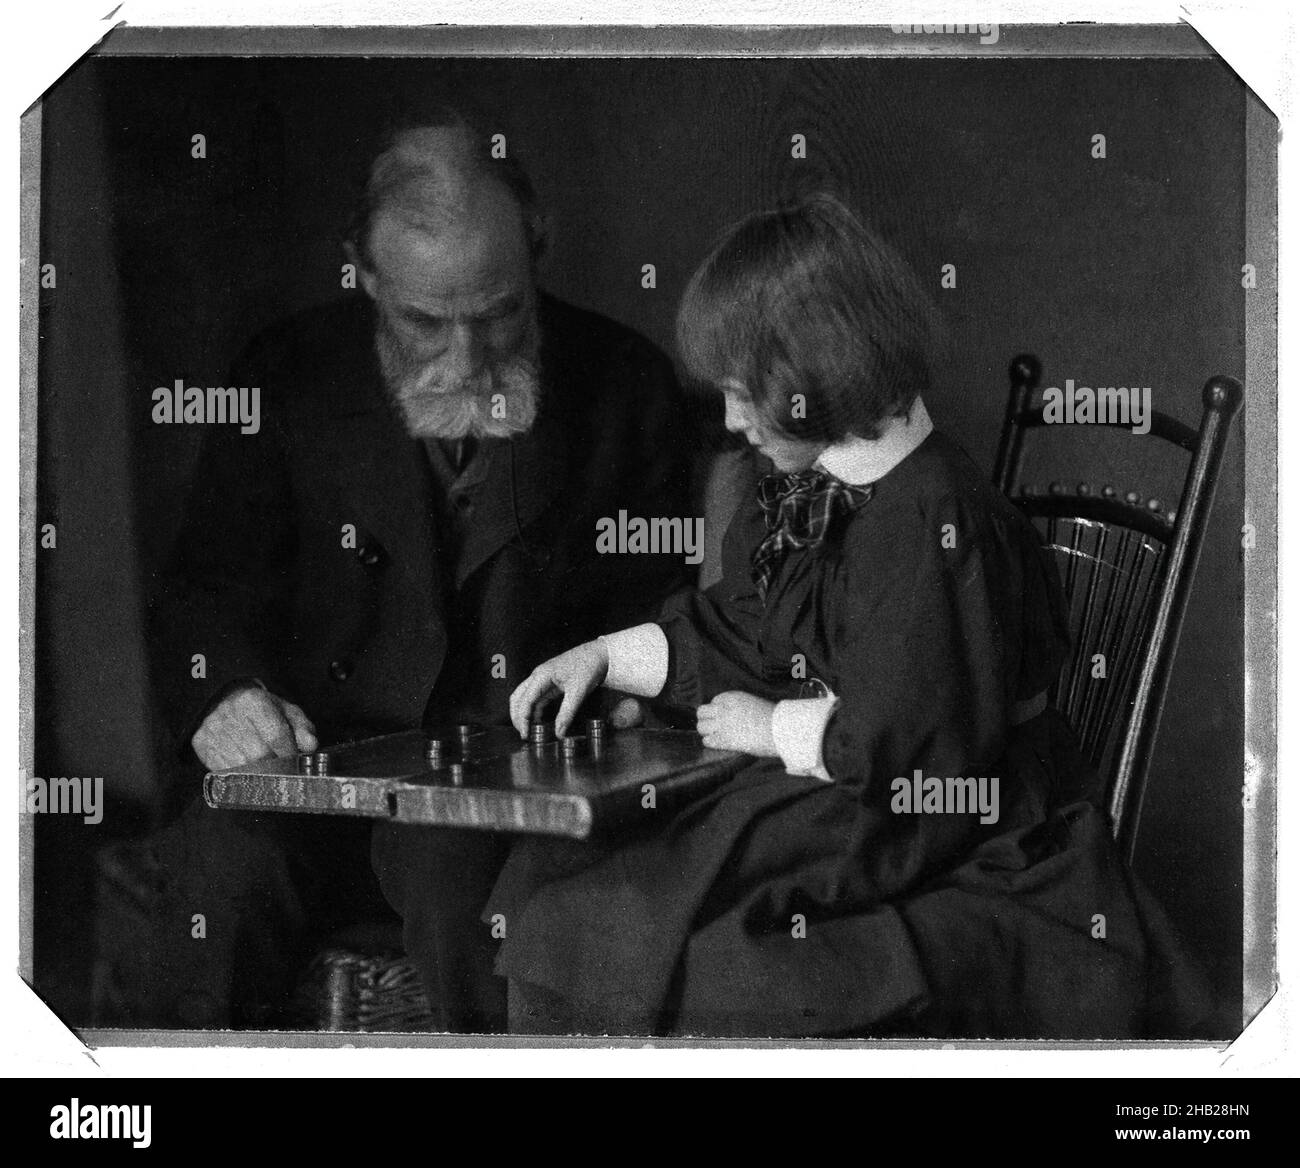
(1260, 417)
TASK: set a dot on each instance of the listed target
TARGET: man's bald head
(430, 176)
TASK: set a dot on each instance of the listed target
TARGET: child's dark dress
(783, 905)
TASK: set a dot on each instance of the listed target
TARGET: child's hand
(574, 674)
(738, 721)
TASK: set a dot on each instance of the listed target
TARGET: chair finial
(1025, 370)
(1223, 394)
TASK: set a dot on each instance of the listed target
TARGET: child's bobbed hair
(807, 300)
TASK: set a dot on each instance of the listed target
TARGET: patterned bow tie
(800, 509)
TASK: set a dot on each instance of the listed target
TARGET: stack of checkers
(540, 733)
(314, 763)
(572, 746)
(452, 752)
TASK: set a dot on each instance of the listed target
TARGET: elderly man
(410, 532)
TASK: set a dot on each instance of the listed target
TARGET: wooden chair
(1127, 569)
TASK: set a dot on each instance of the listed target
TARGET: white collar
(858, 461)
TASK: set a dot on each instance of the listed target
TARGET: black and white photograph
(646, 533)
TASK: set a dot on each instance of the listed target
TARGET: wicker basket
(350, 991)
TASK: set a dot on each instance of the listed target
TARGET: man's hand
(574, 674)
(738, 721)
(250, 724)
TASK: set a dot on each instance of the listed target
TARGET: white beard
(433, 405)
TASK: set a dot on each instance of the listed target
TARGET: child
(831, 888)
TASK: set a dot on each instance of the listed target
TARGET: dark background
(1118, 271)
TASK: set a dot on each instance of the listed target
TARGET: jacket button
(340, 670)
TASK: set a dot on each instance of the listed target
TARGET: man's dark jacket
(269, 582)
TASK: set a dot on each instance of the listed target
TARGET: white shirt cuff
(638, 660)
(798, 727)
